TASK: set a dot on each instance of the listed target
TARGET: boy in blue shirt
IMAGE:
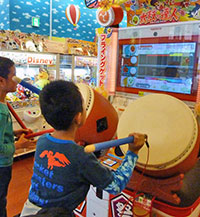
(63, 172)
(7, 145)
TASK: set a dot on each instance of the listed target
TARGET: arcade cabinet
(156, 91)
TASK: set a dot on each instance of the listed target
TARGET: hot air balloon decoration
(72, 13)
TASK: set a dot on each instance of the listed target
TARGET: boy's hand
(19, 132)
(25, 143)
(139, 140)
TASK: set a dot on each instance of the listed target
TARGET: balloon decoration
(72, 13)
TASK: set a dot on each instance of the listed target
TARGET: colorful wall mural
(4, 14)
(21, 13)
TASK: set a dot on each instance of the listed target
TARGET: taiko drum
(172, 131)
(101, 117)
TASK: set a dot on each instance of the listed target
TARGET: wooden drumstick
(18, 119)
(26, 84)
(108, 144)
(31, 135)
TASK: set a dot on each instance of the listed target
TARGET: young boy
(7, 146)
(63, 172)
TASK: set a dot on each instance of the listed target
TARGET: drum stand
(160, 188)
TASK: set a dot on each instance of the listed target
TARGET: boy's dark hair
(5, 65)
(60, 101)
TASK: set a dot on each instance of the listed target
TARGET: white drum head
(88, 96)
(170, 125)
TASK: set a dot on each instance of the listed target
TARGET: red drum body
(101, 117)
(172, 130)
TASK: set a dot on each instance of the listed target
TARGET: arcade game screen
(165, 67)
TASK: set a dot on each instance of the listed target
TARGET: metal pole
(73, 68)
(50, 21)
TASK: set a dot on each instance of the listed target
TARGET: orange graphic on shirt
(57, 160)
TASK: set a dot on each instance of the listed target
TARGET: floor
(190, 190)
(19, 185)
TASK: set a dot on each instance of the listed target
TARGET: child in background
(63, 172)
(7, 145)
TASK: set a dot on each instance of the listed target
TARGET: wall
(4, 14)
(21, 13)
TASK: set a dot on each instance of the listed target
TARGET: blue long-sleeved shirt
(122, 174)
(63, 173)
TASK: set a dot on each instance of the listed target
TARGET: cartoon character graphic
(43, 78)
(108, 31)
(55, 160)
(12, 45)
(134, 5)
(195, 13)
(158, 5)
(143, 3)
(169, 3)
(135, 20)
(185, 3)
(129, 51)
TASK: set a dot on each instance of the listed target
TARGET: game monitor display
(158, 67)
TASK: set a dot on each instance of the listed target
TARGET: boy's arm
(115, 182)
(5, 149)
(102, 177)
(123, 174)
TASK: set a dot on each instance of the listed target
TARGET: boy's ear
(2, 81)
(78, 118)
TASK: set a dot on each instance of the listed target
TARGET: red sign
(102, 70)
(40, 60)
(145, 12)
(167, 15)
